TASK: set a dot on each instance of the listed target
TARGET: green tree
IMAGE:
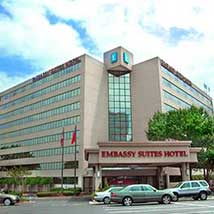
(158, 127)
(18, 174)
(193, 124)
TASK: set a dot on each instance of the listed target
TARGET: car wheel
(166, 199)
(175, 198)
(106, 200)
(203, 196)
(127, 201)
(195, 198)
(7, 202)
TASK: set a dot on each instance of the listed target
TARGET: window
(51, 125)
(195, 184)
(120, 118)
(135, 189)
(43, 91)
(148, 189)
(42, 81)
(185, 185)
(203, 183)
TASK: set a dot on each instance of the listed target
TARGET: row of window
(43, 127)
(42, 103)
(43, 115)
(121, 137)
(167, 107)
(118, 85)
(40, 140)
(119, 110)
(42, 81)
(175, 99)
(58, 165)
(121, 130)
(115, 81)
(185, 85)
(51, 166)
(43, 91)
(122, 104)
(119, 92)
(41, 153)
(123, 98)
(167, 83)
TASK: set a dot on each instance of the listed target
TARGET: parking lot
(69, 206)
(187, 207)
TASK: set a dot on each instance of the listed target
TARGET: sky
(36, 35)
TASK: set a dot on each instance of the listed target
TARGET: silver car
(8, 199)
(105, 196)
(197, 189)
(140, 193)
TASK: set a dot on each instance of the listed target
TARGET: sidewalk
(70, 198)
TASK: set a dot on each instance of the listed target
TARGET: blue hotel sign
(125, 58)
(114, 57)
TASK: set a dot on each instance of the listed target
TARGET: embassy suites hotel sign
(143, 156)
(57, 69)
(132, 154)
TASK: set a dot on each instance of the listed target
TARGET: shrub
(39, 180)
(46, 194)
(68, 193)
(15, 193)
(59, 190)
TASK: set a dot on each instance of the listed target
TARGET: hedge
(28, 181)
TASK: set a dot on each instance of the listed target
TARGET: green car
(141, 193)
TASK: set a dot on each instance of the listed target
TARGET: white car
(106, 195)
(8, 199)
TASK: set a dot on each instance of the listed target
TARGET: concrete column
(160, 178)
(185, 172)
(98, 177)
(80, 181)
(167, 181)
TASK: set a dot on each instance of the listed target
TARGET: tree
(184, 124)
(187, 124)
(18, 174)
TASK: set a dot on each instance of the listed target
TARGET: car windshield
(177, 185)
(153, 188)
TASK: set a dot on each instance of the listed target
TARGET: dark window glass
(185, 185)
(195, 184)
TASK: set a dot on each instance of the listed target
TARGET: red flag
(74, 136)
(62, 138)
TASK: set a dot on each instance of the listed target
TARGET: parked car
(8, 199)
(105, 196)
(141, 193)
(197, 189)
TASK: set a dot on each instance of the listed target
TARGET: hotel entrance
(128, 180)
(119, 163)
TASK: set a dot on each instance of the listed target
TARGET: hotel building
(111, 103)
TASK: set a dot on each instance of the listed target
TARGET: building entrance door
(87, 184)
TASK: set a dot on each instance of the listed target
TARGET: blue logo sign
(114, 57)
(125, 58)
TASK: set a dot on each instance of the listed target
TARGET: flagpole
(62, 163)
(75, 160)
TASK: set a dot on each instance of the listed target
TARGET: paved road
(66, 206)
